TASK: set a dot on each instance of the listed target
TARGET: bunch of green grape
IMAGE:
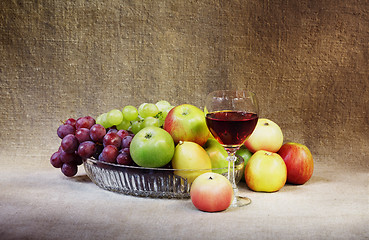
(133, 119)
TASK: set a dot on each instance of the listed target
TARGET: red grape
(55, 160)
(114, 130)
(112, 138)
(122, 133)
(97, 133)
(126, 141)
(124, 157)
(69, 169)
(109, 153)
(87, 149)
(126, 150)
(67, 157)
(83, 134)
(69, 143)
(64, 130)
(71, 121)
(85, 122)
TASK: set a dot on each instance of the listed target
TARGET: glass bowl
(148, 182)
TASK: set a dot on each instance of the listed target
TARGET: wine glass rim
(220, 94)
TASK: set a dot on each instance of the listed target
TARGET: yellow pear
(190, 160)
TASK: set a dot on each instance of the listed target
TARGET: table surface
(38, 202)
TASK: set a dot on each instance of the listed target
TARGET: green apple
(187, 123)
(265, 172)
(190, 160)
(246, 155)
(218, 155)
(152, 147)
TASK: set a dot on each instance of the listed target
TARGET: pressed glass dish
(147, 182)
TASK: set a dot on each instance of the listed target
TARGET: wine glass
(231, 116)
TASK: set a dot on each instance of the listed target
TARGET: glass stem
(231, 173)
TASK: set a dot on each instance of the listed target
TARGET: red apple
(267, 136)
(211, 192)
(265, 172)
(187, 123)
(299, 162)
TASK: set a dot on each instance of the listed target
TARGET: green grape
(150, 122)
(162, 115)
(161, 119)
(162, 105)
(136, 126)
(103, 120)
(149, 110)
(98, 119)
(115, 117)
(124, 125)
(166, 111)
(130, 113)
(141, 107)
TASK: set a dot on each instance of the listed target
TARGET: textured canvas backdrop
(306, 60)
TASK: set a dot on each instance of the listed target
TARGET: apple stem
(268, 153)
(148, 136)
(210, 178)
(266, 124)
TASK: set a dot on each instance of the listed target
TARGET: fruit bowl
(147, 182)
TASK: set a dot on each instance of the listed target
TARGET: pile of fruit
(162, 135)
(269, 163)
(152, 135)
(83, 138)
(107, 138)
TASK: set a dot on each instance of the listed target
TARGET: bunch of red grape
(83, 138)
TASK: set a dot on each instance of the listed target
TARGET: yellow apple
(267, 136)
(190, 160)
(218, 155)
(265, 172)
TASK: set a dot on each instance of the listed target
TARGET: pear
(190, 160)
(218, 155)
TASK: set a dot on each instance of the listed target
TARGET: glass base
(240, 201)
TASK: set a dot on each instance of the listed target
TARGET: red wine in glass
(231, 128)
(231, 118)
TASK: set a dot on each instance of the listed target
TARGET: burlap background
(306, 60)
